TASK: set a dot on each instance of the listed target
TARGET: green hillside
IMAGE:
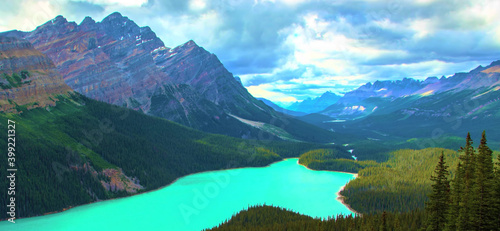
(407, 192)
(83, 150)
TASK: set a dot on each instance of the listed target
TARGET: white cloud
(268, 91)
(127, 3)
(422, 27)
(197, 4)
(175, 30)
(31, 14)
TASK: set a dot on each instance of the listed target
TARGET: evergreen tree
(437, 206)
(483, 201)
(496, 195)
(465, 221)
(383, 226)
(456, 198)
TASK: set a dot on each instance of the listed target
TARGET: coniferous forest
(62, 153)
(463, 196)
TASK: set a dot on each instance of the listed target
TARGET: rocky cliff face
(27, 76)
(118, 62)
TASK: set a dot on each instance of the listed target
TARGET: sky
(289, 50)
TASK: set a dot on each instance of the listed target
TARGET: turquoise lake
(204, 200)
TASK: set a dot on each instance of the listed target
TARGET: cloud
(128, 3)
(299, 48)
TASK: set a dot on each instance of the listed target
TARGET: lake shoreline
(339, 198)
(140, 193)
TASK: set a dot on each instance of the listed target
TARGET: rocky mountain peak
(115, 16)
(88, 21)
(59, 24)
(477, 69)
(59, 20)
(189, 43)
(118, 62)
(495, 63)
(431, 80)
(119, 26)
(116, 20)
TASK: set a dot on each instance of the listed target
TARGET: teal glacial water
(204, 200)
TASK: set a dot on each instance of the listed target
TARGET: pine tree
(456, 198)
(496, 195)
(483, 201)
(383, 226)
(437, 206)
(465, 215)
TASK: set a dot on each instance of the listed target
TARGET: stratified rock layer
(38, 81)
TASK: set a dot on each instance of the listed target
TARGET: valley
(114, 127)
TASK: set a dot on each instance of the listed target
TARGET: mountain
(72, 150)
(118, 62)
(29, 79)
(464, 102)
(367, 98)
(280, 109)
(315, 105)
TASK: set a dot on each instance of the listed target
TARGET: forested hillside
(83, 150)
(400, 184)
(422, 196)
(266, 218)
(332, 160)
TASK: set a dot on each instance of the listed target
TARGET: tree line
(466, 198)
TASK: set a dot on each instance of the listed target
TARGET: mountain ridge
(118, 62)
(446, 107)
(316, 104)
(369, 97)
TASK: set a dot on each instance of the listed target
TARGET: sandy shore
(340, 198)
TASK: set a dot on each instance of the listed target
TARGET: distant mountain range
(410, 108)
(118, 62)
(315, 105)
(281, 109)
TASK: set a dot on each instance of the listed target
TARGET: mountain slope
(118, 62)
(75, 150)
(28, 77)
